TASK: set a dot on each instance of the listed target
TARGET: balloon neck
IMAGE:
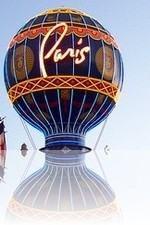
(70, 144)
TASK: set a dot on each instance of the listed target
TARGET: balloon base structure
(64, 191)
(63, 73)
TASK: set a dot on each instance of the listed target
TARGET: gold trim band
(63, 10)
(63, 82)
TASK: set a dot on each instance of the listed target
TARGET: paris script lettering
(56, 53)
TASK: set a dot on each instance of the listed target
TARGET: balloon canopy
(63, 73)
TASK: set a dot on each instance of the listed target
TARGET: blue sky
(128, 128)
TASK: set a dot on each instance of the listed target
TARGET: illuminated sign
(56, 53)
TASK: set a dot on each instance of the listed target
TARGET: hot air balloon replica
(63, 73)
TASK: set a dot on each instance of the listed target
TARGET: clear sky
(128, 128)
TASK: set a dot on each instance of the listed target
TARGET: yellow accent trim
(63, 82)
(35, 32)
(51, 24)
(62, 10)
